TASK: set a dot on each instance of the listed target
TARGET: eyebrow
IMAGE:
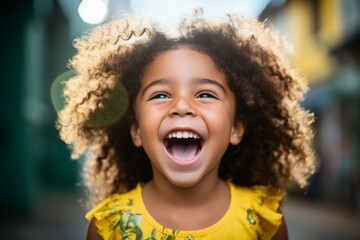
(210, 81)
(161, 81)
(201, 81)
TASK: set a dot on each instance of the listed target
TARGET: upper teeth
(183, 134)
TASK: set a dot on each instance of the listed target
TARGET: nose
(182, 107)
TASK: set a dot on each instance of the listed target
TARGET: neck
(197, 194)
(169, 204)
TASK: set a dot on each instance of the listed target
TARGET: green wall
(35, 48)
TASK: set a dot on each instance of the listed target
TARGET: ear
(135, 134)
(237, 132)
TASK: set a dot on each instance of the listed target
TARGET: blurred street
(58, 216)
(310, 221)
(61, 217)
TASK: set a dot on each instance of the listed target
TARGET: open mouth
(183, 145)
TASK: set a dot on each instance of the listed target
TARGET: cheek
(221, 121)
(149, 122)
(225, 112)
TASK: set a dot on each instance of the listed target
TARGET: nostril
(183, 113)
(182, 108)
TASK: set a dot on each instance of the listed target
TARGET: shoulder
(258, 208)
(114, 202)
(258, 195)
(109, 214)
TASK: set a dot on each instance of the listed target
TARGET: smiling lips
(183, 146)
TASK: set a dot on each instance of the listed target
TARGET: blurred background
(40, 187)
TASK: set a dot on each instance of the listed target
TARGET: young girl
(188, 135)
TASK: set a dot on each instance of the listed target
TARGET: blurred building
(326, 37)
(36, 45)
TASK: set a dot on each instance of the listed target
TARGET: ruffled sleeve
(262, 214)
(115, 218)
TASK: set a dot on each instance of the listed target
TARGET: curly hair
(276, 148)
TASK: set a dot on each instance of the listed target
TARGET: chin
(184, 182)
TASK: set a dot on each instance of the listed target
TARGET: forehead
(182, 62)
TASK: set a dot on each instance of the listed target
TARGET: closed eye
(207, 94)
(160, 95)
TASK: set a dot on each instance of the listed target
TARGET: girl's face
(185, 117)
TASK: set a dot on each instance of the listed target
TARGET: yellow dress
(252, 214)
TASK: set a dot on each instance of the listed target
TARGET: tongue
(184, 152)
